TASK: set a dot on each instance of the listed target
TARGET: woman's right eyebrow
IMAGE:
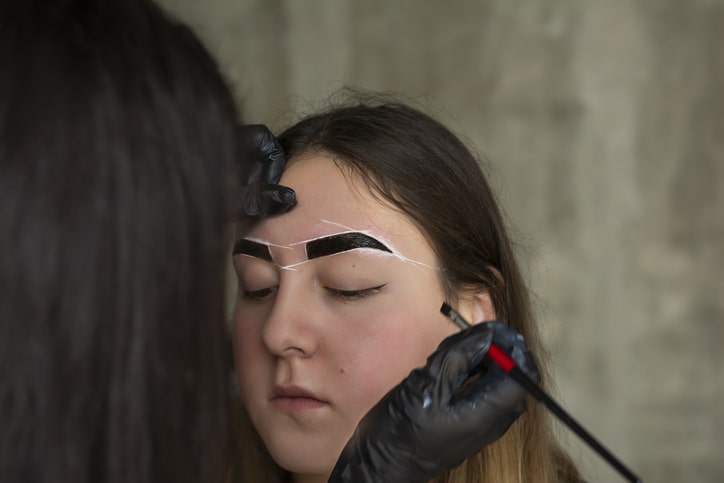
(244, 246)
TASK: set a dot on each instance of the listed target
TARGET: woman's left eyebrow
(245, 246)
(342, 242)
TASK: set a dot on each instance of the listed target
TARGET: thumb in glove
(442, 413)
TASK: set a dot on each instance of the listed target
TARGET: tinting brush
(508, 365)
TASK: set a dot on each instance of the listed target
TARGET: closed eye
(352, 295)
(260, 294)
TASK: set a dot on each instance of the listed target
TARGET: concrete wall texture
(603, 125)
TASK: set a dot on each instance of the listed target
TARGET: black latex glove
(430, 422)
(259, 195)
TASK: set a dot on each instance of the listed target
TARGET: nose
(291, 330)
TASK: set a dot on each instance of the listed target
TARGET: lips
(295, 399)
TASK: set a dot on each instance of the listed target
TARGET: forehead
(329, 202)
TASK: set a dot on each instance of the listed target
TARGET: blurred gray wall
(603, 123)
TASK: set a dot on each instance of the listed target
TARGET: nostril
(296, 352)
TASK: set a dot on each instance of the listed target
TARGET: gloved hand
(259, 195)
(431, 421)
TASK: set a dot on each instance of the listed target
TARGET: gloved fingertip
(475, 341)
(275, 200)
(493, 395)
(513, 344)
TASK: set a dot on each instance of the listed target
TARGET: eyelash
(344, 295)
(352, 295)
(258, 294)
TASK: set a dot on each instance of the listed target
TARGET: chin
(306, 457)
(306, 464)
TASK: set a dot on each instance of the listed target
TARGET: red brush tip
(501, 358)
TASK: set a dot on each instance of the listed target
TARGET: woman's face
(338, 301)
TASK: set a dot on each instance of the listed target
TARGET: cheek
(400, 342)
(248, 349)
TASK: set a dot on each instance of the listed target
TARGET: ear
(476, 307)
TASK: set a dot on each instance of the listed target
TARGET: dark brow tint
(253, 249)
(342, 242)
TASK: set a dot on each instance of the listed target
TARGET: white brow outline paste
(394, 252)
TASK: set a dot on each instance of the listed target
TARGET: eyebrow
(342, 242)
(252, 248)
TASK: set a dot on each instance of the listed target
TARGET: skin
(318, 342)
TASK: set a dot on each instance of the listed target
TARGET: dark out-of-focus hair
(416, 165)
(116, 137)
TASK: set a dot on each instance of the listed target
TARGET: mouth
(295, 399)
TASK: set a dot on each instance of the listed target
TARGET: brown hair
(413, 162)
